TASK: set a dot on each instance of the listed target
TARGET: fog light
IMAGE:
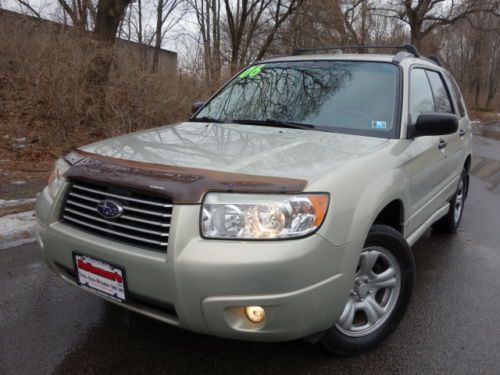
(256, 314)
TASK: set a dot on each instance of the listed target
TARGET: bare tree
(28, 8)
(166, 19)
(281, 13)
(471, 50)
(425, 16)
(81, 12)
(340, 22)
(208, 17)
(354, 17)
(485, 58)
(244, 17)
(493, 72)
(109, 15)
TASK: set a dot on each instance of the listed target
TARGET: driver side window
(421, 99)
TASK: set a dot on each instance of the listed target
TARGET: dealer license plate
(100, 276)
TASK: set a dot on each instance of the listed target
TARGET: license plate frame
(101, 276)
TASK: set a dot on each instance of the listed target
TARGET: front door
(427, 166)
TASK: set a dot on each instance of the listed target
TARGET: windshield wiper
(206, 119)
(270, 122)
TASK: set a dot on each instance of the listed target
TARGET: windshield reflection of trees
(285, 93)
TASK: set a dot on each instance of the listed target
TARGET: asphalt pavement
(452, 325)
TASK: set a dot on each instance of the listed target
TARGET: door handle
(462, 132)
(442, 143)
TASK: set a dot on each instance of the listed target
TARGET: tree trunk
(109, 15)
(477, 93)
(236, 23)
(216, 58)
(489, 98)
(416, 36)
(159, 24)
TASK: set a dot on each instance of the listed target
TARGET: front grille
(145, 220)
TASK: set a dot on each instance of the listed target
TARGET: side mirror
(435, 124)
(196, 106)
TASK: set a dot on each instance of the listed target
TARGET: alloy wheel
(377, 283)
(459, 201)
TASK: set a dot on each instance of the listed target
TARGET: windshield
(337, 96)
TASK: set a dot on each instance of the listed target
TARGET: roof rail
(435, 60)
(406, 47)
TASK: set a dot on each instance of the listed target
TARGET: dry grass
(47, 107)
(44, 95)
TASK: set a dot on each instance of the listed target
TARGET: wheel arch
(467, 163)
(392, 214)
(377, 200)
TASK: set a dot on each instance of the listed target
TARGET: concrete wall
(15, 23)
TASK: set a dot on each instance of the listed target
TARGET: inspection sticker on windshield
(100, 276)
(379, 125)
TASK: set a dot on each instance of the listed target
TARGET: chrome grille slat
(73, 203)
(147, 212)
(134, 209)
(114, 232)
(127, 217)
(145, 221)
(85, 197)
(115, 224)
(151, 222)
(118, 196)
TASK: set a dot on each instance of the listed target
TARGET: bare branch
(33, 12)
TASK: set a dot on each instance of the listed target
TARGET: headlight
(261, 216)
(56, 177)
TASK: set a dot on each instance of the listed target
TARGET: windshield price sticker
(252, 71)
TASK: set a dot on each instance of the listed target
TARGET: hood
(249, 149)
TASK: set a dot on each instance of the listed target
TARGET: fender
(355, 205)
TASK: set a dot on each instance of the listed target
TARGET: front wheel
(382, 287)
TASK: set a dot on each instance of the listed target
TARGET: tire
(384, 246)
(451, 221)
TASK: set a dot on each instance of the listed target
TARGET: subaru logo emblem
(109, 209)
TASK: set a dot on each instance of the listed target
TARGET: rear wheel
(382, 286)
(450, 222)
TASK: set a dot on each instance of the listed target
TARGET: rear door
(464, 130)
(427, 163)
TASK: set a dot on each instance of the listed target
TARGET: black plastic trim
(406, 47)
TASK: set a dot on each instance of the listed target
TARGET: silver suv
(285, 208)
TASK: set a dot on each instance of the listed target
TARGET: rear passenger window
(456, 93)
(441, 98)
(421, 98)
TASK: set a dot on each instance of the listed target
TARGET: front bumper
(202, 285)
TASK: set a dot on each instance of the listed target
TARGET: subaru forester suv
(285, 208)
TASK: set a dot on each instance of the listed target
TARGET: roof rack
(435, 59)
(408, 50)
(406, 47)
